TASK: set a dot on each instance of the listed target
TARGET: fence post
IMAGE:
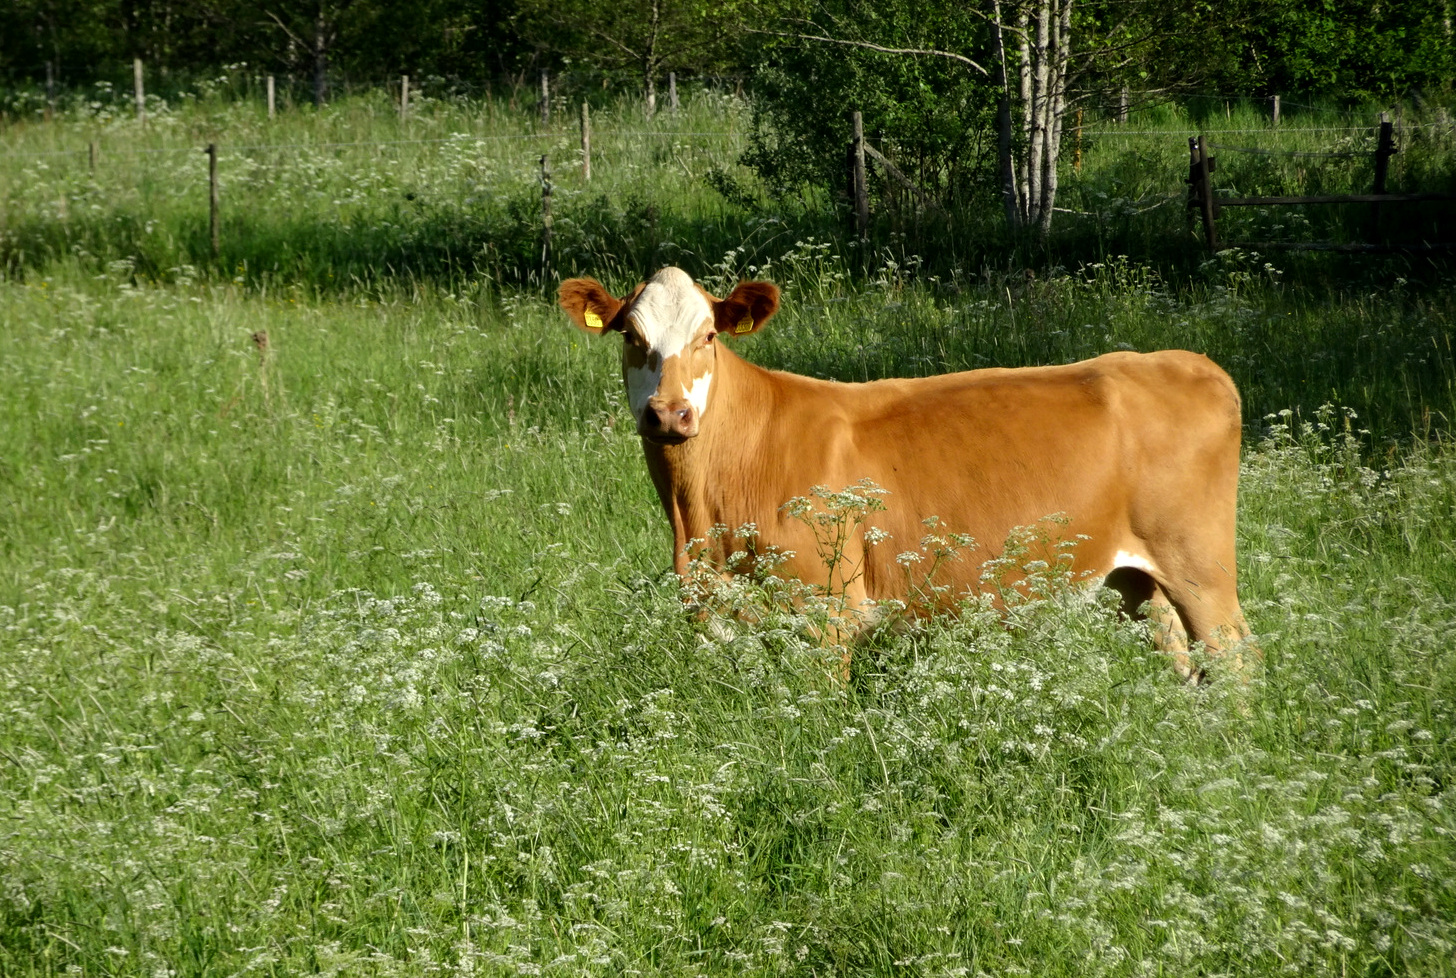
(672, 90)
(213, 217)
(857, 177)
(585, 142)
(92, 152)
(1276, 111)
(1192, 182)
(403, 97)
(272, 98)
(50, 106)
(1205, 169)
(545, 97)
(1384, 150)
(141, 95)
(545, 219)
(1122, 107)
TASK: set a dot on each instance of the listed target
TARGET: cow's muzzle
(668, 421)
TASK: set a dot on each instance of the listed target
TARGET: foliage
(932, 116)
(649, 37)
(1328, 49)
(91, 40)
(1350, 50)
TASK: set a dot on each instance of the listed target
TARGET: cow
(1136, 455)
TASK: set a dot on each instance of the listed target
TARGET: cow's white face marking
(669, 315)
(1133, 561)
(697, 394)
(642, 383)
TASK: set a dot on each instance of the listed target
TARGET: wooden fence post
(545, 97)
(1205, 168)
(1192, 182)
(545, 220)
(1122, 107)
(403, 97)
(585, 142)
(141, 95)
(50, 106)
(672, 90)
(213, 216)
(857, 178)
(272, 98)
(1275, 113)
(1384, 150)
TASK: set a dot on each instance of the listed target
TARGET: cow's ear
(591, 307)
(747, 309)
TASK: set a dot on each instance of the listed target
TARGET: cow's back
(1123, 447)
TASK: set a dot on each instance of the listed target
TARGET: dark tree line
(86, 40)
(1350, 49)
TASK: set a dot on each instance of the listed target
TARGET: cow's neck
(689, 477)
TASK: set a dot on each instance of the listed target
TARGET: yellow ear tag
(745, 325)
(593, 321)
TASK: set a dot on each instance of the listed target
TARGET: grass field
(359, 654)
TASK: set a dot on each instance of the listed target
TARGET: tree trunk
(1004, 157)
(649, 62)
(1036, 154)
(320, 57)
(1023, 189)
(1056, 110)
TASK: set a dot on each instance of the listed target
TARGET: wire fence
(1283, 129)
(1282, 152)
(1087, 133)
(459, 138)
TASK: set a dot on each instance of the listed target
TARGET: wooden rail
(1201, 197)
(1333, 199)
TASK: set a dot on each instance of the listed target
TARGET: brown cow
(1138, 453)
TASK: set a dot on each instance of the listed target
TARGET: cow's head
(668, 325)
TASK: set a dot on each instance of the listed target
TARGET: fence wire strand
(462, 139)
(1281, 152)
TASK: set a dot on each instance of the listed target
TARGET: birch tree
(1044, 34)
(1030, 57)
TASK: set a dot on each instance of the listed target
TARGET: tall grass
(356, 652)
(350, 194)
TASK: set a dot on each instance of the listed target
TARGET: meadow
(354, 649)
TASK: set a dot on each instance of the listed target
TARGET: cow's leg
(1144, 600)
(850, 622)
(1212, 615)
(1169, 633)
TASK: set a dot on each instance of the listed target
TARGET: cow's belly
(1054, 498)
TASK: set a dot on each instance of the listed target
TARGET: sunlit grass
(359, 654)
